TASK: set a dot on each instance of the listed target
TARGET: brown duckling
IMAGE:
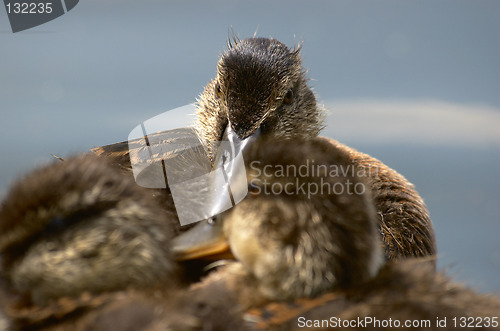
(73, 231)
(307, 253)
(302, 229)
(261, 87)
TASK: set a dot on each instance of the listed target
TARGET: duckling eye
(288, 97)
(217, 89)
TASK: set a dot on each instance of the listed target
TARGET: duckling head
(80, 225)
(260, 84)
(307, 225)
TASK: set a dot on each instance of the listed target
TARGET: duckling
(301, 230)
(261, 87)
(74, 231)
(307, 253)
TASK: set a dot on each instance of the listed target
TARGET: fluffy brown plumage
(80, 226)
(404, 223)
(303, 228)
(409, 290)
(317, 255)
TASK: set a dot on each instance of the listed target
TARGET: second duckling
(79, 227)
(307, 256)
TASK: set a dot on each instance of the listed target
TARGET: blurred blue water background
(415, 84)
